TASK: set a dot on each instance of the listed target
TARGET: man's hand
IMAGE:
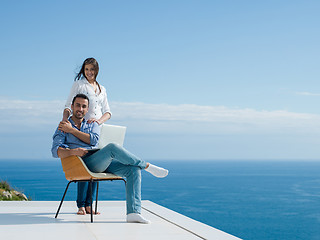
(79, 152)
(65, 126)
(66, 152)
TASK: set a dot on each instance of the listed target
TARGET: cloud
(219, 132)
(216, 119)
(307, 94)
(18, 112)
(165, 118)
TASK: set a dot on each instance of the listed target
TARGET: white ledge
(35, 220)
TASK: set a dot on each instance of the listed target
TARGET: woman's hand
(105, 117)
(91, 120)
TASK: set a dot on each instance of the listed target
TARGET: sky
(191, 80)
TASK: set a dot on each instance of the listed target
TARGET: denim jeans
(117, 160)
(83, 195)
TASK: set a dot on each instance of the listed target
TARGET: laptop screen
(111, 134)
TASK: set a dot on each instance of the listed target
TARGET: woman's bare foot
(88, 211)
(81, 211)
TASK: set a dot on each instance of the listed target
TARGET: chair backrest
(75, 169)
(111, 134)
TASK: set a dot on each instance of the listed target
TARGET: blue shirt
(67, 140)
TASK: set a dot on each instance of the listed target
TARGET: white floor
(35, 220)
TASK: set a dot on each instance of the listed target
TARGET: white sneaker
(157, 171)
(136, 218)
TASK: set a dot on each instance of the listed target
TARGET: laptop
(110, 134)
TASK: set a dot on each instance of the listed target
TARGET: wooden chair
(75, 170)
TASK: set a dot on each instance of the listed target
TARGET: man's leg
(88, 198)
(125, 157)
(133, 188)
(81, 196)
(100, 160)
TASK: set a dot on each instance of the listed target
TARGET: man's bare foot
(81, 211)
(88, 211)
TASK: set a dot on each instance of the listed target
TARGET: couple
(75, 135)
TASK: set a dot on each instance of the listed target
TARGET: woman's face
(89, 72)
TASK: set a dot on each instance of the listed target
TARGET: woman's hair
(95, 66)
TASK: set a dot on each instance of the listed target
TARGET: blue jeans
(117, 160)
(83, 196)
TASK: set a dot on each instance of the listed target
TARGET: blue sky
(190, 79)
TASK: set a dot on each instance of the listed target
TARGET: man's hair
(80, 95)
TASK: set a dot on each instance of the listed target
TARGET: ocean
(262, 200)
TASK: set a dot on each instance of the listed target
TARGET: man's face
(80, 107)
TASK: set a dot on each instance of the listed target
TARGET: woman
(99, 111)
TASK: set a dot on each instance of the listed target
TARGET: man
(76, 136)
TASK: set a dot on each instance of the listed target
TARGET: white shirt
(98, 102)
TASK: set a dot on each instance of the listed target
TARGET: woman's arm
(105, 117)
(66, 114)
(106, 113)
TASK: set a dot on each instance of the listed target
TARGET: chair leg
(97, 197)
(63, 199)
(90, 192)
